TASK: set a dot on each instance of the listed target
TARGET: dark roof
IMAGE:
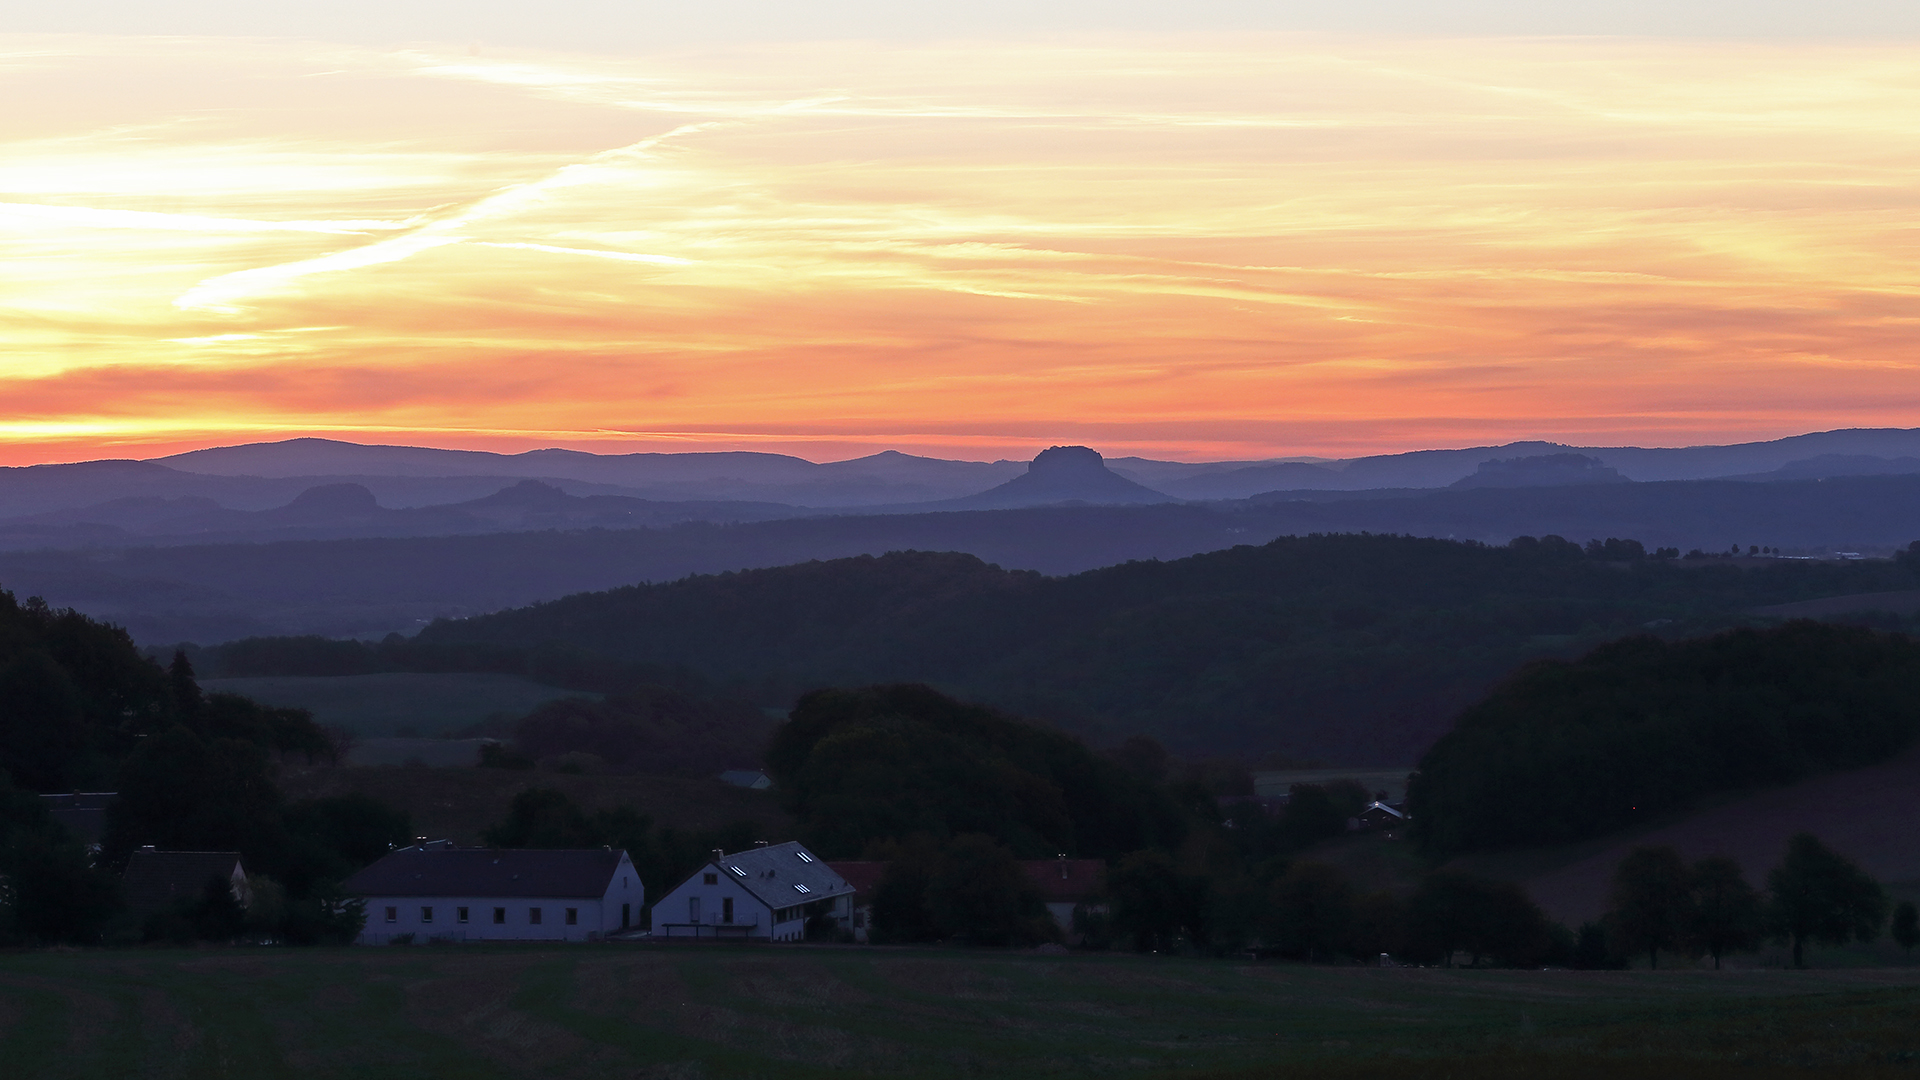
(776, 874)
(84, 813)
(482, 872)
(158, 879)
(1065, 881)
(80, 800)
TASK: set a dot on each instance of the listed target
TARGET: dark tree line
(1815, 896)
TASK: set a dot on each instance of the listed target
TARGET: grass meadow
(631, 1011)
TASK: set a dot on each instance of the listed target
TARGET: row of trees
(1661, 904)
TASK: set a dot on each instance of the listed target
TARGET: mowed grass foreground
(733, 1011)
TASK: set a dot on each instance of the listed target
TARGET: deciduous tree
(1651, 904)
(1817, 894)
(1726, 911)
(1906, 926)
(1311, 911)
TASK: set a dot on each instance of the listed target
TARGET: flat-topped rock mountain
(1063, 474)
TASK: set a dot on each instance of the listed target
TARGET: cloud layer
(1193, 248)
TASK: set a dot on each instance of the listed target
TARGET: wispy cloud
(1211, 247)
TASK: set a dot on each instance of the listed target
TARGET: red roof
(1065, 881)
(862, 875)
(1060, 881)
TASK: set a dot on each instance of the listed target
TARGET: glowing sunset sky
(1199, 246)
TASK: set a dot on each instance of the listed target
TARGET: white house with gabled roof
(766, 893)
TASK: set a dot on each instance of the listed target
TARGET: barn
(436, 892)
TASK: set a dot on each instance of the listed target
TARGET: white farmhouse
(765, 893)
(486, 894)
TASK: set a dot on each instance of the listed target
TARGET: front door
(626, 915)
(693, 909)
(726, 909)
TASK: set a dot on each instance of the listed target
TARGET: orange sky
(1203, 248)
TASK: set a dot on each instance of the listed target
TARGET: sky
(1216, 231)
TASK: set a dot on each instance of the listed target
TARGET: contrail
(226, 292)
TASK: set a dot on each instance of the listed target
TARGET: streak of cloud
(1212, 248)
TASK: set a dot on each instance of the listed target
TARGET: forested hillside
(1564, 751)
(1351, 649)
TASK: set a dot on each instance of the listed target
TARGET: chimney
(718, 855)
(1063, 866)
(759, 843)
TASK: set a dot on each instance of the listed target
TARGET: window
(460, 914)
(709, 879)
(499, 916)
(726, 909)
(533, 916)
(393, 914)
(801, 888)
(573, 916)
(737, 872)
(426, 914)
(804, 857)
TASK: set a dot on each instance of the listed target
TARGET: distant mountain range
(309, 536)
(207, 495)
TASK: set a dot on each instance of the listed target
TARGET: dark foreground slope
(1355, 649)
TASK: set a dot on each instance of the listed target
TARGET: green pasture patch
(799, 1013)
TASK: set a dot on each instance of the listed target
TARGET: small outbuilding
(155, 881)
(432, 892)
(766, 893)
(1381, 815)
(1066, 885)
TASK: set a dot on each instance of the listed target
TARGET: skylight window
(804, 857)
(801, 888)
(737, 872)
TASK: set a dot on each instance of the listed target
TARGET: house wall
(672, 916)
(1062, 912)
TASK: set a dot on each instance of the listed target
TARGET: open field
(458, 803)
(798, 1012)
(399, 703)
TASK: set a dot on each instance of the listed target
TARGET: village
(435, 892)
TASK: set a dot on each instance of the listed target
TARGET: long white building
(485, 894)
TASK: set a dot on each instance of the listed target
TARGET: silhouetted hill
(887, 477)
(350, 510)
(1354, 649)
(1061, 474)
(1546, 470)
